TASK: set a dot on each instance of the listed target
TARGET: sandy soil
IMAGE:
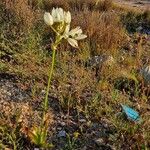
(137, 4)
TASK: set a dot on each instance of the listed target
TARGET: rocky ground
(137, 4)
(17, 97)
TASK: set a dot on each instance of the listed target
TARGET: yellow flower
(76, 134)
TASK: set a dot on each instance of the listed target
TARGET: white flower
(72, 42)
(58, 14)
(48, 19)
(61, 13)
(75, 32)
(62, 28)
(74, 35)
(66, 35)
(67, 17)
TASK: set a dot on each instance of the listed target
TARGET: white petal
(73, 42)
(66, 32)
(58, 18)
(61, 13)
(54, 14)
(79, 31)
(48, 19)
(68, 17)
(75, 31)
(81, 37)
(67, 28)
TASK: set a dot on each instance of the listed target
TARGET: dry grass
(75, 5)
(79, 89)
(21, 11)
(103, 29)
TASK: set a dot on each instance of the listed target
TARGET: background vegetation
(89, 83)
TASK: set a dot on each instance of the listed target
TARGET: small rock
(145, 72)
(99, 60)
(63, 124)
(95, 125)
(105, 125)
(110, 61)
(59, 128)
(100, 142)
(139, 29)
(82, 120)
(43, 91)
(62, 133)
(36, 149)
(8, 93)
(84, 148)
(110, 147)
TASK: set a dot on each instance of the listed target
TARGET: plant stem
(50, 73)
(49, 83)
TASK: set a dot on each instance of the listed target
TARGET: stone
(145, 72)
(36, 149)
(82, 120)
(63, 124)
(62, 133)
(139, 29)
(102, 59)
(100, 142)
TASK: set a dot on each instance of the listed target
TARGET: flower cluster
(59, 21)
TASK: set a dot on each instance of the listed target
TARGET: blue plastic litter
(131, 113)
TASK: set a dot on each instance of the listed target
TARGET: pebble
(10, 91)
(59, 128)
(145, 71)
(43, 92)
(62, 133)
(82, 120)
(99, 60)
(84, 148)
(36, 149)
(100, 142)
(63, 124)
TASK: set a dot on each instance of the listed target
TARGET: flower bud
(48, 19)
(68, 17)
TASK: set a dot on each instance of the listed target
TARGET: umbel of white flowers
(59, 21)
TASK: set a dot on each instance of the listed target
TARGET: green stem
(54, 47)
(49, 83)
(54, 30)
